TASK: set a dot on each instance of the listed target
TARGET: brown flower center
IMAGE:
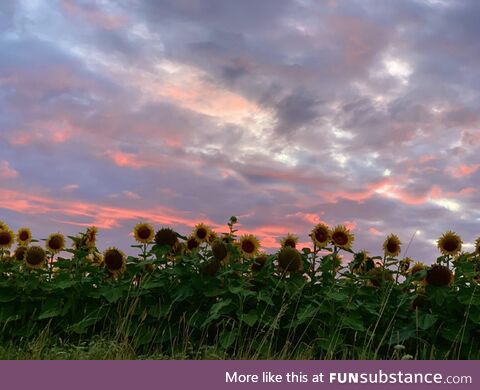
(114, 260)
(55, 243)
(35, 255)
(392, 247)
(450, 244)
(291, 243)
(144, 232)
(192, 243)
(24, 236)
(202, 233)
(248, 246)
(340, 238)
(5, 238)
(321, 235)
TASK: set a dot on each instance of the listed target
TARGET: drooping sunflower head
(166, 236)
(439, 276)
(35, 257)
(91, 237)
(290, 260)
(259, 262)
(6, 238)
(143, 232)
(379, 276)
(19, 253)
(391, 246)
(342, 237)
(95, 258)
(249, 245)
(220, 250)
(201, 232)
(55, 242)
(115, 261)
(290, 240)
(361, 262)
(450, 243)
(24, 236)
(192, 243)
(404, 265)
(321, 235)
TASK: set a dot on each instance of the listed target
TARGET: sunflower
(35, 257)
(249, 245)
(404, 265)
(439, 276)
(19, 253)
(289, 240)
(391, 246)
(24, 236)
(417, 267)
(360, 262)
(95, 258)
(220, 250)
(450, 243)
(55, 242)
(3, 225)
(379, 276)
(477, 246)
(6, 238)
(91, 237)
(290, 260)
(201, 232)
(115, 261)
(321, 235)
(192, 243)
(259, 262)
(166, 236)
(143, 232)
(342, 238)
(212, 236)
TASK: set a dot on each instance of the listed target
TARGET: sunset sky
(284, 113)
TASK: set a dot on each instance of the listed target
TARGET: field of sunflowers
(216, 295)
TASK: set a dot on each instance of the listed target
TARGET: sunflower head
(7, 238)
(220, 250)
(91, 237)
(166, 236)
(361, 262)
(24, 236)
(211, 268)
(3, 225)
(249, 245)
(35, 257)
(55, 242)
(19, 253)
(391, 246)
(321, 235)
(439, 276)
(179, 249)
(192, 243)
(201, 232)
(404, 265)
(342, 237)
(379, 276)
(143, 232)
(290, 260)
(115, 261)
(212, 236)
(259, 262)
(450, 243)
(290, 240)
(95, 258)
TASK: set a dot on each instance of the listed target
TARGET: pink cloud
(6, 171)
(94, 15)
(464, 170)
(129, 160)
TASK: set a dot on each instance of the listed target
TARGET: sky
(285, 113)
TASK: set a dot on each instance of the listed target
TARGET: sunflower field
(216, 295)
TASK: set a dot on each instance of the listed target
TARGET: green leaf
(7, 295)
(227, 338)
(250, 318)
(426, 320)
